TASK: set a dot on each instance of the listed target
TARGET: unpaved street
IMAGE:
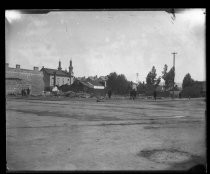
(82, 134)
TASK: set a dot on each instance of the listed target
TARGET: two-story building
(18, 79)
(57, 77)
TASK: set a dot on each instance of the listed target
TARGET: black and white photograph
(105, 89)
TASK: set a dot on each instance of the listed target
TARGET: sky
(101, 42)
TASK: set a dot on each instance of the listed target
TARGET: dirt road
(110, 135)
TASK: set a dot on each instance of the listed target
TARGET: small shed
(88, 86)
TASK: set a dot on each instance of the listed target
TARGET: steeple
(70, 71)
(70, 68)
(59, 66)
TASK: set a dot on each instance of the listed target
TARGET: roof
(80, 78)
(93, 82)
(51, 72)
(86, 84)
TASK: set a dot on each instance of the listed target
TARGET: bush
(163, 94)
(191, 91)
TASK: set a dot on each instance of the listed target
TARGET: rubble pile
(77, 94)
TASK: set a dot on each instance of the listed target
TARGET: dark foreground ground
(82, 134)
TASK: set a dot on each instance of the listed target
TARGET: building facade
(18, 79)
(57, 77)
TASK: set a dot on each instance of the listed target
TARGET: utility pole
(174, 53)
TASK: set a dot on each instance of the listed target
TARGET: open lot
(82, 134)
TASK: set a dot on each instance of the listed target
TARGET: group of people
(25, 92)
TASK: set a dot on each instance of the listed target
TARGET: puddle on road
(169, 156)
(74, 116)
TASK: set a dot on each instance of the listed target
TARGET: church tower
(59, 66)
(71, 72)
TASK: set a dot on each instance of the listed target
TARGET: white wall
(59, 80)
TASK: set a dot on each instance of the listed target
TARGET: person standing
(109, 93)
(28, 91)
(155, 94)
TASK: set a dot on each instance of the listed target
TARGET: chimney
(42, 66)
(36, 68)
(17, 66)
(7, 65)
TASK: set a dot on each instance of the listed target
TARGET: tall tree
(187, 81)
(141, 88)
(169, 82)
(151, 78)
(111, 82)
(168, 77)
(164, 74)
(122, 84)
(118, 83)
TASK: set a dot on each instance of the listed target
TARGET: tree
(151, 78)
(111, 82)
(169, 82)
(164, 72)
(152, 82)
(191, 91)
(141, 88)
(157, 81)
(118, 83)
(122, 84)
(187, 81)
(168, 77)
(191, 88)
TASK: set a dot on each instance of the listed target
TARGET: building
(102, 79)
(57, 77)
(18, 79)
(89, 86)
(86, 86)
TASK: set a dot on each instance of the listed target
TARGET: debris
(100, 99)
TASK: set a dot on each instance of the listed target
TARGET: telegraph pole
(174, 53)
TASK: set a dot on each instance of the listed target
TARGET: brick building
(18, 79)
(57, 77)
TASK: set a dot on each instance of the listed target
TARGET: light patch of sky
(127, 42)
